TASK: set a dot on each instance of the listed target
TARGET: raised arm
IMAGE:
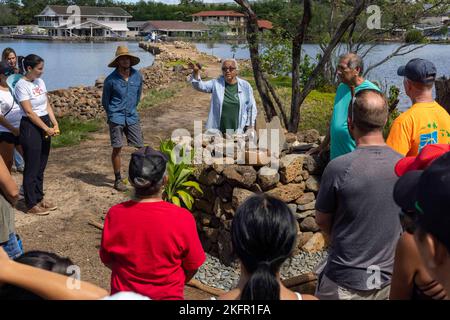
(196, 80)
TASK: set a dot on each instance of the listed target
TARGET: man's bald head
(370, 111)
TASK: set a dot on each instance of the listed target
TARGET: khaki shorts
(329, 290)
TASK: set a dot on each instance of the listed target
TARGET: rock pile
(81, 102)
(85, 102)
(215, 274)
(176, 51)
(227, 183)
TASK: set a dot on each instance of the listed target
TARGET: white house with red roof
(84, 21)
(232, 21)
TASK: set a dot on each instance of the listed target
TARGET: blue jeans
(12, 247)
(18, 160)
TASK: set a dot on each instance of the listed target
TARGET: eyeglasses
(408, 220)
(231, 69)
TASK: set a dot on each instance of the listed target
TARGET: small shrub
(179, 188)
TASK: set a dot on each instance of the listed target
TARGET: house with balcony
(84, 21)
(228, 23)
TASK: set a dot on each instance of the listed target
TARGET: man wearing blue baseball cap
(426, 122)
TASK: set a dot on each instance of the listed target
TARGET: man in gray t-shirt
(355, 207)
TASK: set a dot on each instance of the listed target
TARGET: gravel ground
(215, 274)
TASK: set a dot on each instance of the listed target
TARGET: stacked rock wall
(226, 186)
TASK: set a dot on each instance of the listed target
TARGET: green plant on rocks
(178, 189)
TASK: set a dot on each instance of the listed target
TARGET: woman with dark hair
(10, 57)
(39, 259)
(37, 126)
(10, 115)
(263, 234)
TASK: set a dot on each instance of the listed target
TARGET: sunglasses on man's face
(231, 69)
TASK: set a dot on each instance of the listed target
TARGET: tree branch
(396, 53)
(343, 27)
(277, 101)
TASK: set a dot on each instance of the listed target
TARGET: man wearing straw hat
(121, 95)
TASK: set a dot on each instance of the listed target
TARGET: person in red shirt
(151, 246)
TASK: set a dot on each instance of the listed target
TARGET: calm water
(73, 64)
(385, 74)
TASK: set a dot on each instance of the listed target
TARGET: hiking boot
(44, 204)
(38, 210)
(120, 186)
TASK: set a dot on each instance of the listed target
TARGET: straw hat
(123, 51)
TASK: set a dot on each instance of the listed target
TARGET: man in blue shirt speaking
(121, 95)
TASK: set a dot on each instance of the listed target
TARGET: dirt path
(79, 180)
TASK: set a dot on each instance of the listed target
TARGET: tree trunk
(296, 60)
(443, 93)
(253, 41)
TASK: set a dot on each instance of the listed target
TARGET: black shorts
(8, 137)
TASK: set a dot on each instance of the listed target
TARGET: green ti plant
(179, 187)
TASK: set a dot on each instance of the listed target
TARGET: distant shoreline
(67, 39)
(140, 39)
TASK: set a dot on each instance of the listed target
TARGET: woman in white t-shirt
(37, 126)
(10, 115)
(11, 58)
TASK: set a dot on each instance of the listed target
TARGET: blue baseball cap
(419, 70)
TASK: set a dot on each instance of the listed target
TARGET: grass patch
(315, 112)
(74, 131)
(154, 97)
(282, 81)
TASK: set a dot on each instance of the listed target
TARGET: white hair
(231, 60)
